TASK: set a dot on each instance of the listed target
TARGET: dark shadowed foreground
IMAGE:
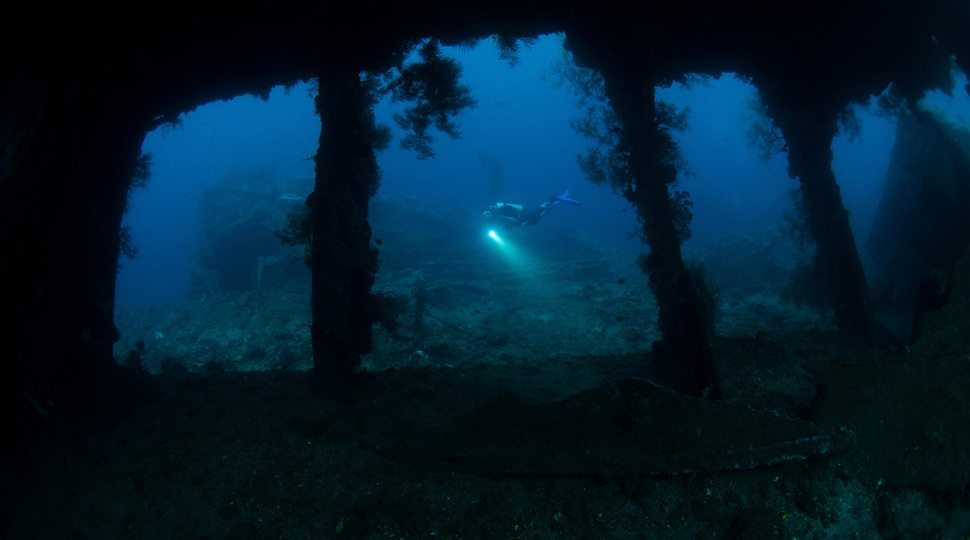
(451, 452)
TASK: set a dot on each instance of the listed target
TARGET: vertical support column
(64, 176)
(808, 132)
(686, 314)
(343, 262)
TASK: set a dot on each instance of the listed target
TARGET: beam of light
(515, 262)
(508, 250)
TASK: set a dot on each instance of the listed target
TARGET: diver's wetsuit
(516, 214)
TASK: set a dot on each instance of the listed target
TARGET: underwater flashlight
(494, 236)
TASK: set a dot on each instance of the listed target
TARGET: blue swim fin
(565, 199)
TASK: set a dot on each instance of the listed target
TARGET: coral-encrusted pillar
(686, 313)
(686, 319)
(342, 259)
(808, 126)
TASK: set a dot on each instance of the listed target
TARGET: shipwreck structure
(73, 118)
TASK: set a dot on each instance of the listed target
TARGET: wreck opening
(206, 237)
(549, 291)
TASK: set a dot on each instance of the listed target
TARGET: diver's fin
(565, 199)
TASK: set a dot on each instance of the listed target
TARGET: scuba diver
(508, 214)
